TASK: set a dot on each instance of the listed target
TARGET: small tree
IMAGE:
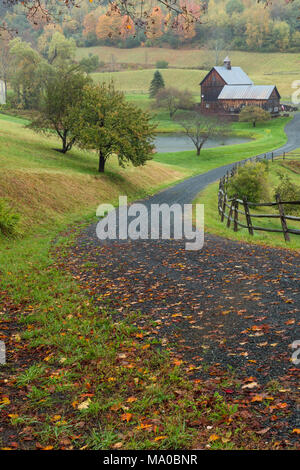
(156, 84)
(254, 114)
(173, 100)
(251, 182)
(200, 128)
(63, 92)
(106, 122)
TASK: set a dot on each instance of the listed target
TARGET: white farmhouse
(2, 92)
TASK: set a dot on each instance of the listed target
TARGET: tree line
(217, 24)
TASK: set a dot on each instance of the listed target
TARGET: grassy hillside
(46, 187)
(138, 81)
(264, 68)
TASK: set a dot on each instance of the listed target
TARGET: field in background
(138, 81)
(280, 69)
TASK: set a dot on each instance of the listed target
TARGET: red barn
(226, 90)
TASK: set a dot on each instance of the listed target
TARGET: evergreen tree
(156, 84)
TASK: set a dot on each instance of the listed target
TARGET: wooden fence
(231, 208)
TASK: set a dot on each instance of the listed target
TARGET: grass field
(280, 69)
(214, 225)
(138, 81)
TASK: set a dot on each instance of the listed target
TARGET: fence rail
(231, 208)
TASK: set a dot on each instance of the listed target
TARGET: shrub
(288, 191)
(251, 182)
(162, 64)
(9, 219)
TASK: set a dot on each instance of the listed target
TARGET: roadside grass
(79, 377)
(214, 225)
(284, 66)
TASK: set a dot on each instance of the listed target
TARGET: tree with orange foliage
(155, 23)
(39, 16)
(90, 23)
(109, 25)
(185, 24)
(127, 27)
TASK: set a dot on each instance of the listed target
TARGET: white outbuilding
(2, 92)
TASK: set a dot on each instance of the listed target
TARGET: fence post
(282, 218)
(220, 196)
(248, 217)
(223, 206)
(272, 157)
(236, 214)
(283, 156)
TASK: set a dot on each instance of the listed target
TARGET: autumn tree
(185, 24)
(109, 25)
(38, 16)
(254, 114)
(90, 22)
(107, 123)
(127, 27)
(154, 27)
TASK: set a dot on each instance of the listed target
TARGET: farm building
(226, 90)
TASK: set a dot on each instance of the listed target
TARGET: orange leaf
(126, 417)
(131, 399)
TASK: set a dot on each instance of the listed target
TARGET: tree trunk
(65, 147)
(199, 147)
(254, 123)
(101, 162)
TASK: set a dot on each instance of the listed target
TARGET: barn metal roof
(234, 75)
(243, 92)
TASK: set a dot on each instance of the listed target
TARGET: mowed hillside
(264, 68)
(138, 81)
(47, 188)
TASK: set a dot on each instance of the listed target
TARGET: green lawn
(266, 137)
(214, 225)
